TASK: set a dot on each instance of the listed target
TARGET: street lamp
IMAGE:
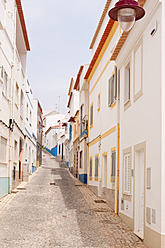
(126, 12)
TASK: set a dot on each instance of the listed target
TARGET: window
(27, 112)
(96, 166)
(15, 151)
(98, 103)
(3, 154)
(91, 115)
(138, 72)
(127, 83)
(70, 132)
(113, 171)
(21, 104)
(81, 159)
(127, 174)
(90, 168)
(17, 94)
(30, 118)
(59, 149)
(5, 83)
(112, 88)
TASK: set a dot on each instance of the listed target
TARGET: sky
(60, 33)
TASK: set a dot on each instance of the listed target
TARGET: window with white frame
(15, 151)
(96, 166)
(81, 153)
(27, 112)
(21, 104)
(90, 168)
(127, 174)
(91, 115)
(112, 88)
(138, 71)
(5, 83)
(30, 118)
(17, 94)
(127, 83)
(3, 153)
(113, 170)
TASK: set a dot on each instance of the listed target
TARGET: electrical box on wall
(122, 204)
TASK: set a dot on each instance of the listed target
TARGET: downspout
(11, 109)
(118, 142)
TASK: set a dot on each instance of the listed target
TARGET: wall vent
(148, 215)
(153, 216)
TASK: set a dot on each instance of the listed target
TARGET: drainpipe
(12, 107)
(118, 145)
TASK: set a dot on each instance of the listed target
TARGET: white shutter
(125, 174)
(129, 175)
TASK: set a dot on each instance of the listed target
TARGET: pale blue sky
(60, 33)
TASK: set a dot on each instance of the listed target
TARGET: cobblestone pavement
(56, 210)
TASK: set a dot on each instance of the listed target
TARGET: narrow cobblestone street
(56, 210)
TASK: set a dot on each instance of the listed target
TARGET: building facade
(126, 120)
(13, 54)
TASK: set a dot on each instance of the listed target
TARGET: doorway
(139, 193)
(104, 171)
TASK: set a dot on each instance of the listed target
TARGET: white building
(29, 154)
(129, 136)
(13, 53)
(73, 105)
(82, 86)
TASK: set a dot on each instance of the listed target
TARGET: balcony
(84, 127)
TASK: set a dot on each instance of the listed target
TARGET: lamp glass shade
(126, 18)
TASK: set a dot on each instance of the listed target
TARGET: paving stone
(53, 212)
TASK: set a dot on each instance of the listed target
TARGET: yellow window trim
(97, 102)
(91, 126)
(113, 149)
(108, 40)
(96, 179)
(113, 105)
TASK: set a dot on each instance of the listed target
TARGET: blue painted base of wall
(53, 151)
(67, 164)
(4, 186)
(33, 169)
(83, 178)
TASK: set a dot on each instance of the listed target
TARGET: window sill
(5, 96)
(91, 126)
(113, 105)
(127, 104)
(16, 105)
(4, 163)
